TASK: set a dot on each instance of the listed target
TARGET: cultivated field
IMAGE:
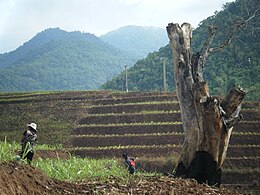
(146, 125)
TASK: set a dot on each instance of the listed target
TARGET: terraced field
(148, 126)
(103, 124)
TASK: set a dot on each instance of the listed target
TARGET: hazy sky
(20, 20)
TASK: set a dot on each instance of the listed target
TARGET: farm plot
(251, 115)
(251, 105)
(54, 112)
(50, 96)
(243, 177)
(149, 127)
(242, 162)
(112, 119)
(135, 107)
(247, 127)
(143, 98)
(150, 139)
(136, 151)
(243, 151)
(133, 128)
(132, 118)
(156, 151)
(128, 139)
(245, 138)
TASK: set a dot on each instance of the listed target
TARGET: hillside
(148, 126)
(58, 60)
(138, 41)
(237, 64)
(102, 124)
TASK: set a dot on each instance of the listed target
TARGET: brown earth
(24, 179)
(52, 154)
(148, 140)
(131, 118)
(72, 106)
(128, 129)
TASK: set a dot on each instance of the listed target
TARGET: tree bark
(207, 121)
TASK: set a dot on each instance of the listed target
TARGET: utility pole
(164, 75)
(122, 83)
(126, 82)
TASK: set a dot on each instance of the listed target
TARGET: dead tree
(207, 121)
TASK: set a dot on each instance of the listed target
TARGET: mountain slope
(237, 64)
(138, 41)
(58, 60)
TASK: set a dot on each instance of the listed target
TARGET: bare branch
(237, 26)
(199, 59)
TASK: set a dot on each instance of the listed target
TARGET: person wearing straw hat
(27, 142)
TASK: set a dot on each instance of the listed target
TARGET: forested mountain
(237, 64)
(138, 41)
(58, 60)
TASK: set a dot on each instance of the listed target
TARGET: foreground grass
(8, 150)
(76, 169)
(72, 169)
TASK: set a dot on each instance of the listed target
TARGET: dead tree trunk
(207, 121)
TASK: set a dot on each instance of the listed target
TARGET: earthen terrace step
(131, 118)
(127, 139)
(93, 140)
(120, 100)
(134, 107)
(136, 128)
(155, 151)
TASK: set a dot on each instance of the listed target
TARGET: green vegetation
(9, 149)
(237, 64)
(138, 41)
(76, 169)
(72, 169)
(58, 60)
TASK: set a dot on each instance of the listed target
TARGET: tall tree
(207, 121)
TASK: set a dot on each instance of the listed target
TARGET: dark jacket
(131, 164)
(29, 138)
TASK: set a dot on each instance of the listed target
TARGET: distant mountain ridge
(58, 60)
(138, 41)
(39, 40)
